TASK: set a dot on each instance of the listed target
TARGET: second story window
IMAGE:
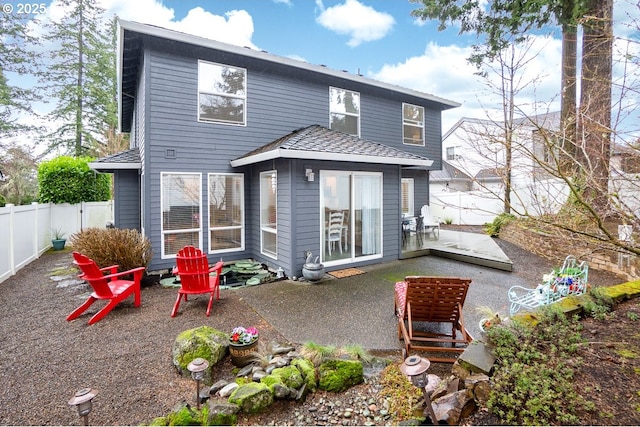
(344, 111)
(412, 124)
(222, 93)
(453, 153)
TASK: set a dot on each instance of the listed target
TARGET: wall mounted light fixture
(310, 175)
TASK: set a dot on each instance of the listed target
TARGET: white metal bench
(570, 279)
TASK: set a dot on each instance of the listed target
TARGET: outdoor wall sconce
(310, 175)
(415, 367)
(197, 368)
(82, 400)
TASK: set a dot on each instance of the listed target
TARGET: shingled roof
(319, 143)
(129, 159)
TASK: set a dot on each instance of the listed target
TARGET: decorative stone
(217, 386)
(252, 397)
(338, 375)
(228, 389)
(205, 342)
(244, 372)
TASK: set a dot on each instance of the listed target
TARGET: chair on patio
(429, 225)
(335, 229)
(195, 276)
(432, 301)
(108, 286)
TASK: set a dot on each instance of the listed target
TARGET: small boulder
(206, 342)
(338, 375)
(252, 397)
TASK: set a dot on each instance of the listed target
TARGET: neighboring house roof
(129, 159)
(448, 173)
(549, 121)
(319, 143)
(129, 62)
(490, 174)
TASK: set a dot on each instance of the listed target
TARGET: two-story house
(247, 155)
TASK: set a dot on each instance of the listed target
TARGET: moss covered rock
(308, 372)
(252, 398)
(290, 375)
(206, 342)
(338, 375)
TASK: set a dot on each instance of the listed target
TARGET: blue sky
(377, 38)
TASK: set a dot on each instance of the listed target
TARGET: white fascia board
(340, 157)
(120, 166)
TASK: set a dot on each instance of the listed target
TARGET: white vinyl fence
(479, 207)
(26, 231)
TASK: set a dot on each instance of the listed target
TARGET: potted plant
(489, 318)
(243, 343)
(57, 239)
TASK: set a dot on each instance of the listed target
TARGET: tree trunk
(594, 120)
(568, 102)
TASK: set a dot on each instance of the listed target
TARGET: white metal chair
(429, 225)
(334, 230)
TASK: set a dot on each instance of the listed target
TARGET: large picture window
(226, 212)
(181, 211)
(222, 93)
(344, 111)
(413, 124)
(269, 213)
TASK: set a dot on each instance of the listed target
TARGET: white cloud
(362, 23)
(235, 27)
(445, 72)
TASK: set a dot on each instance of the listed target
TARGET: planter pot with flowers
(243, 343)
(489, 318)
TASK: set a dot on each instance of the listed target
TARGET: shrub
(108, 246)
(493, 228)
(70, 180)
(532, 383)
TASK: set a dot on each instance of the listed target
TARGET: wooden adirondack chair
(106, 287)
(195, 276)
(434, 301)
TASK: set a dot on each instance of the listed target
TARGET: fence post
(36, 242)
(12, 239)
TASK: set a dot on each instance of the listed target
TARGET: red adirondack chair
(195, 276)
(106, 287)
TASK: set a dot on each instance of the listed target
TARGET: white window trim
(346, 113)
(411, 188)
(264, 228)
(414, 123)
(164, 233)
(244, 97)
(242, 220)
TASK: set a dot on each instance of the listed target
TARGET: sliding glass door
(351, 216)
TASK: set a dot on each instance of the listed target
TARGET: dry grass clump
(109, 246)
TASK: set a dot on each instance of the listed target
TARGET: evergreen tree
(81, 76)
(15, 57)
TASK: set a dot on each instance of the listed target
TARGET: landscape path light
(197, 368)
(83, 402)
(415, 367)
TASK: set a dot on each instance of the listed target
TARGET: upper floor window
(453, 153)
(222, 93)
(412, 124)
(344, 111)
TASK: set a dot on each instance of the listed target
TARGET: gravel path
(127, 355)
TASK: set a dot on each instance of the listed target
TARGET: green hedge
(70, 180)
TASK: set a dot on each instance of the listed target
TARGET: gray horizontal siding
(276, 105)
